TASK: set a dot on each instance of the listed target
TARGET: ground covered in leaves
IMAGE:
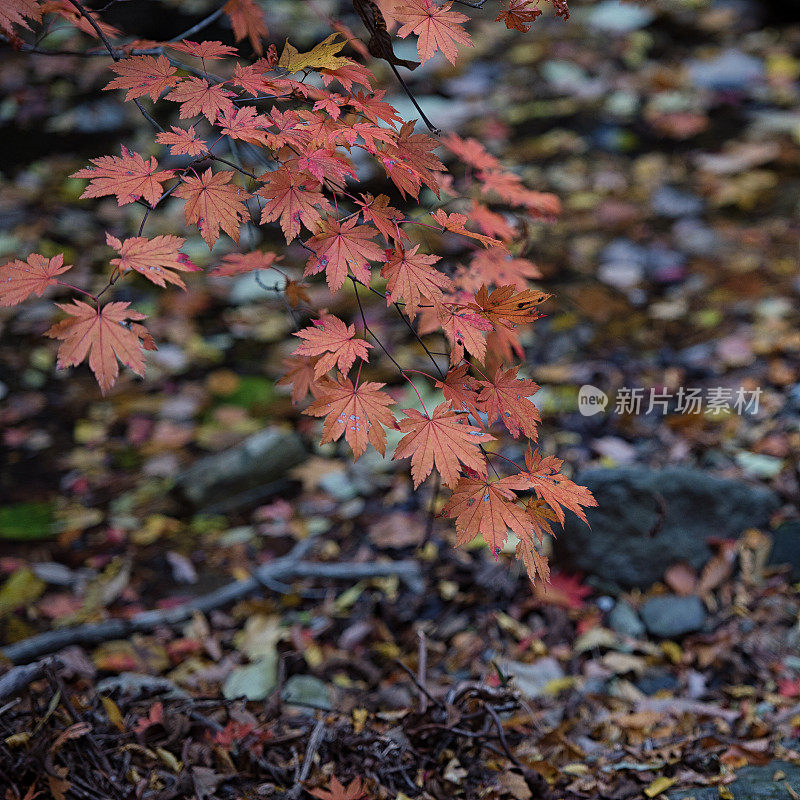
(323, 591)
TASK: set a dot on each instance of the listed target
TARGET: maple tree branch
(204, 23)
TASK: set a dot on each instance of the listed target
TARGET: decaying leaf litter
(691, 277)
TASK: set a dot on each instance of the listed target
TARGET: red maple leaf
(496, 266)
(443, 440)
(342, 246)
(212, 202)
(299, 374)
(471, 152)
(20, 279)
(456, 222)
(438, 28)
(208, 51)
(409, 161)
(182, 142)
(129, 177)
(154, 258)
(245, 124)
(464, 330)
(334, 341)
(412, 278)
(353, 791)
(247, 20)
(105, 334)
(17, 12)
(518, 15)
(294, 198)
(358, 412)
(459, 389)
(505, 397)
(198, 96)
(238, 263)
(143, 76)
(383, 216)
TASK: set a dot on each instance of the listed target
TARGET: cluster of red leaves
(479, 304)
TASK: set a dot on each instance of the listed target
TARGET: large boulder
(647, 520)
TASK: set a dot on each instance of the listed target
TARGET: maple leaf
(443, 440)
(411, 277)
(322, 56)
(505, 397)
(544, 476)
(208, 51)
(294, 198)
(238, 263)
(143, 76)
(507, 307)
(488, 509)
(299, 374)
(518, 15)
(455, 224)
(438, 28)
(409, 161)
(20, 279)
(383, 216)
(296, 293)
(182, 142)
(348, 75)
(498, 267)
(464, 330)
(337, 791)
(325, 164)
(333, 340)
(459, 389)
(245, 124)
(491, 223)
(212, 202)
(154, 258)
(198, 96)
(247, 20)
(105, 334)
(358, 412)
(129, 177)
(471, 152)
(339, 246)
(17, 12)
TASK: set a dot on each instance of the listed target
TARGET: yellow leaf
(659, 785)
(113, 713)
(360, 716)
(169, 759)
(323, 56)
(725, 793)
(21, 589)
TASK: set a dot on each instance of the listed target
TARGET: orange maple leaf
(129, 177)
(443, 440)
(17, 12)
(507, 307)
(409, 162)
(342, 246)
(438, 28)
(384, 217)
(212, 202)
(106, 334)
(238, 263)
(337, 791)
(459, 389)
(518, 15)
(182, 142)
(498, 267)
(208, 51)
(198, 96)
(20, 279)
(456, 222)
(412, 278)
(154, 258)
(505, 397)
(464, 330)
(358, 412)
(247, 20)
(333, 340)
(143, 76)
(294, 198)
(245, 124)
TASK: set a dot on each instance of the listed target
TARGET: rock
(259, 459)
(670, 202)
(670, 615)
(307, 692)
(752, 783)
(786, 547)
(656, 680)
(253, 681)
(649, 519)
(732, 69)
(532, 679)
(624, 620)
(614, 16)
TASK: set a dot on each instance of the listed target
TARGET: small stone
(307, 692)
(624, 620)
(732, 69)
(668, 616)
(614, 16)
(532, 679)
(670, 202)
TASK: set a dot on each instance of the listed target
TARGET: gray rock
(308, 692)
(649, 519)
(624, 620)
(532, 679)
(732, 69)
(613, 16)
(752, 783)
(259, 459)
(670, 202)
(786, 547)
(670, 615)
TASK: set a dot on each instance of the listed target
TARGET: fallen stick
(289, 566)
(18, 678)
